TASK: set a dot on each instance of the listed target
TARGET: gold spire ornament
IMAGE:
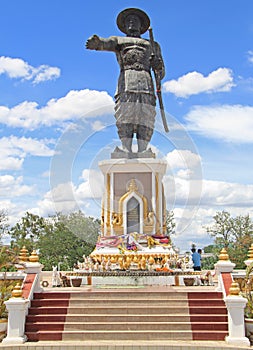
(234, 289)
(23, 256)
(250, 252)
(223, 255)
(17, 291)
(33, 257)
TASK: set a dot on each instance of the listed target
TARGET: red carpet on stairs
(47, 316)
(208, 316)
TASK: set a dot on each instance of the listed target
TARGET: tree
(233, 233)
(59, 239)
(85, 228)
(28, 231)
(221, 230)
(71, 237)
(170, 222)
(243, 237)
(60, 246)
(3, 222)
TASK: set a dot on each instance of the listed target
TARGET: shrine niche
(133, 210)
(133, 216)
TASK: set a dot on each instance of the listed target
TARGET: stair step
(76, 302)
(125, 302)
(113, 294)
(145, 310)
(111, 335)
(208, 310)
(118, 294)
(49, 302)
(48, 310)
(126, 335)
(203, 302)
(127, 318)
(212, 335)
(134, 326)
(205, 295)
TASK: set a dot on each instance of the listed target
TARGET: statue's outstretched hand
(93, 42)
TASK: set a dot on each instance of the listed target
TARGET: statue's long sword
(158, 81)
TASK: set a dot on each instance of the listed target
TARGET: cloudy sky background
(56, 107)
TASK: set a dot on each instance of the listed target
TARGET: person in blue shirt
(196, 258)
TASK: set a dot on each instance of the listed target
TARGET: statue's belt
(136, 66)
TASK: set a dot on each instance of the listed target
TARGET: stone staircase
(133, 314)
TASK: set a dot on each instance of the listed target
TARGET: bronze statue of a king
(135, 98)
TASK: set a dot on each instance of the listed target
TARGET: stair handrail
(18, 305)
(235, 303)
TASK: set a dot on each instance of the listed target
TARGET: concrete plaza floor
(128, 345)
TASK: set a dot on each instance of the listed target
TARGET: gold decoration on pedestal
(234, 289)
(135, 259)
(223, 255)
(108, 210)
(33, 257)
(117, 219)
(17, 291)
(23, 254)
(151, 260)
(132, 186)
(250, 252)
(129, 261)
(149, 221)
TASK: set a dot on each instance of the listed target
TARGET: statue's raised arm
(135, 98)
(97, 43)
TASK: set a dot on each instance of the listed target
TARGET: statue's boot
(126, 144)
(142, 145)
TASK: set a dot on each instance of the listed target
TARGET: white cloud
(10, 163)
(46, 174)
(67, 197)
(183, 159)
(59, 199)
(191, 226)
(11, 187)
(180, 190)
(97, 125)
(44, 73)
(15, 149)
(75, 105)
(17, 68)
(220, 193)
(195, 200)
(250, 56)
(93, 185)
(194, 83)
(233, 123)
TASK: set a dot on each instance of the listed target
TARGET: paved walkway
(117, 345)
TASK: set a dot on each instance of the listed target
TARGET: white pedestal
(17, 308)
(236, 327)
(133, 196)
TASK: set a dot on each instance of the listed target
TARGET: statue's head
(132, 21)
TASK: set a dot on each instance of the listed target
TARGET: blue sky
(56, 107)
